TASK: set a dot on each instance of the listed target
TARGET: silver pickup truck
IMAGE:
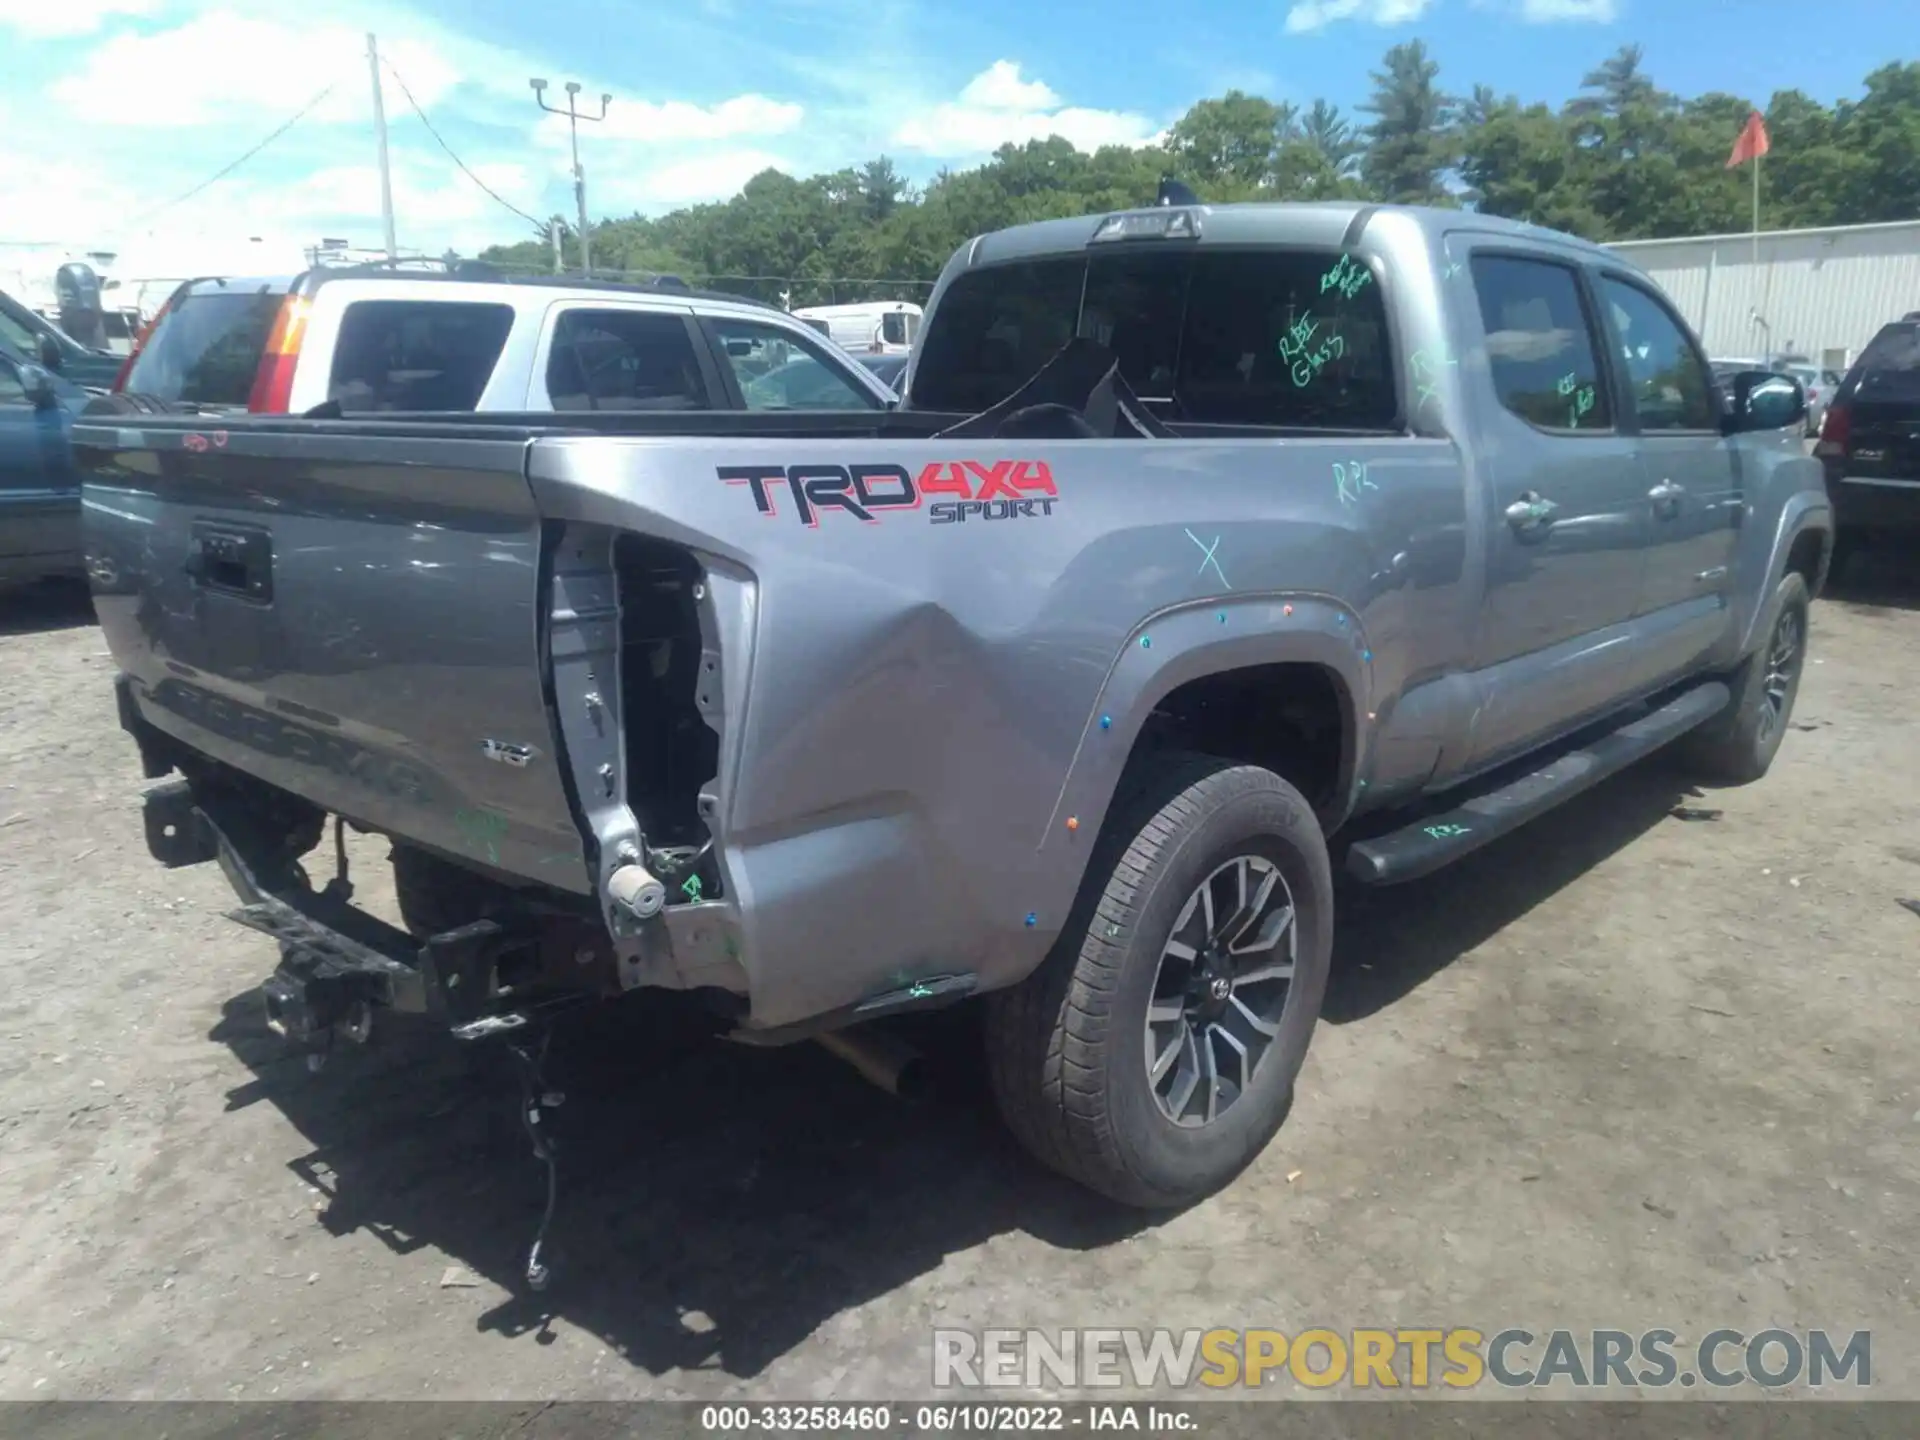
(1213, 544)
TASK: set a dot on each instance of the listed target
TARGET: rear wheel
(1738, 746)
(1153, 1054)
(434, 895)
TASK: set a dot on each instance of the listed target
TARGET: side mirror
(739, 348)
(1764, 400)
(39, 387)
(50, 353)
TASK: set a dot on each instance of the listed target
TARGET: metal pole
(553, 230)
(380, 131)
(1765, 288)
(574, 117)
(579, 187)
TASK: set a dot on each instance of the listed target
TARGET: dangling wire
(528, 1064)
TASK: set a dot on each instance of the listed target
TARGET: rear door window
(206, 349)
(1540, 347)
(625, 360)
(416, 355)
(1288, 339)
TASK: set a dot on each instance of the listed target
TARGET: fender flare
(1802, 512)
(1187, 642)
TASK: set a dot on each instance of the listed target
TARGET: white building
(1818, 293)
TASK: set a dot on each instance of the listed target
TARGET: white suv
(379, 340)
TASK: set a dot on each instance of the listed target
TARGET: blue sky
(114, 107)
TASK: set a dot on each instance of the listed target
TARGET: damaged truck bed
(1211, 543)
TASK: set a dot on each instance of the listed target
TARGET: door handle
(1531, 513)
(1666, 497)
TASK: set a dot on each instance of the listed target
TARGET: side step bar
(1436, 840)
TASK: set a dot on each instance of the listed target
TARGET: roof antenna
(1172, 192)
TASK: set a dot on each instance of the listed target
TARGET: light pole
(574, 117)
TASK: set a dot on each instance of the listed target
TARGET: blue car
(24, 332)
(39, 487)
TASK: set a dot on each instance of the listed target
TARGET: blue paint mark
(1340, 620)
(1032, 920)
(1209, 551)
(1366, 655)
(1223, 617)
(1146, 642)
(1106, 722)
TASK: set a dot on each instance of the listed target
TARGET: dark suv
(1871, 439)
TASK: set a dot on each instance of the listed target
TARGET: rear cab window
(1289, 339)
(411, 355)
(206, 349)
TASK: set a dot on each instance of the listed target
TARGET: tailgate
(1885, 440)
(352, 616)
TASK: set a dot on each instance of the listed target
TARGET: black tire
(1067, 1048)
(435, 896)
(1737, 746)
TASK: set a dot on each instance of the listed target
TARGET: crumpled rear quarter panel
(914, 709)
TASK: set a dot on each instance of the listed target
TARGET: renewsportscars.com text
(1412, 1359)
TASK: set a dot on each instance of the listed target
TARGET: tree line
(1623, 159)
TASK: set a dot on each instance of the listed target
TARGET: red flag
(1752, 143)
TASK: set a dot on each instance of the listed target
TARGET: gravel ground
(1621, 1070)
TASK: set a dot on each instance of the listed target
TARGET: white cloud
(1310, 15)
(220, 64)
(1546, 12)
(44, 20)
(999, 87)
(673, 121)
(999, 107)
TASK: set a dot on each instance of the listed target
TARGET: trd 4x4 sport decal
(996, 490)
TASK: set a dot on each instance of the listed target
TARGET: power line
(220, 175)
(539, 225)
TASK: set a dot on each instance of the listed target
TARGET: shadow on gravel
(1389, 942)
(49, 605)
(718, 1203)
(1877, 579)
